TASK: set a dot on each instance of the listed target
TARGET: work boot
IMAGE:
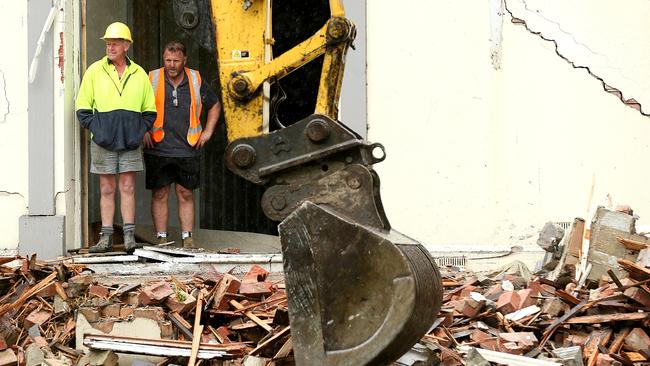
(129, 241)
(162, 240)
(104, 244)
(188, 243)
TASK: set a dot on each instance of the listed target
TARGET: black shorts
(162, 171)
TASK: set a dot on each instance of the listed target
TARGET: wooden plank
(632, 244)
(605, 318)
(637, 272)
(251, 316)
(198, 329)
(619, 340)
(270, 341)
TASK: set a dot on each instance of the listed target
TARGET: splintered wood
(513, 321)
(202, 320)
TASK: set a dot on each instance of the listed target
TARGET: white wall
(482, 157)
(13, 122)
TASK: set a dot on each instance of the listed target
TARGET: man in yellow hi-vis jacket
(117, 104)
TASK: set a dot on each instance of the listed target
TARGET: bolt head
(243, 156)
(318, 130)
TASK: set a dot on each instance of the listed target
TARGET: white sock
(186, 234)
(161, 234)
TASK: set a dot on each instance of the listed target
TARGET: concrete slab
(44, 235)
(217, 239)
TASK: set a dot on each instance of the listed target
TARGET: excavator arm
(359, 292)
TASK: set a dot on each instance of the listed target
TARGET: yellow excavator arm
(359, 292)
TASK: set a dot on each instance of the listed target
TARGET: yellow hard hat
(118, 30)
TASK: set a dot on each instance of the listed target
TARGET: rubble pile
(585, 308)
(61, 314)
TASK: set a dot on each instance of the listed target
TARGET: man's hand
(205, 137)
(147, 141)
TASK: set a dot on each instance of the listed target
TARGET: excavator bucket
(357, 295)
(359, 292)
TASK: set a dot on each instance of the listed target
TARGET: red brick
(223, 333)
(48, 291)
(153, 313)
(8, 358)
(111, 311)
(547, 290)
(466, 291)
(472, 308)
(36, 317)
(527, 339)
(508, 302)
(155, 293)
(126, 311)
(254, 282)
(604, 359)
(479, 336)
(98, 291)
(637, 340)
(180, 302)
(527, 299)
(91, 314)
(494, 292)
(3, 343)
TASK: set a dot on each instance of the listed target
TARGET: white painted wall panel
(481, 158)
(13, 121)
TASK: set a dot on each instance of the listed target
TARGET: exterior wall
(13, 123)
(489, 132)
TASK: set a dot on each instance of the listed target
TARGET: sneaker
(129, 242)
(188, 243)
(104, 244)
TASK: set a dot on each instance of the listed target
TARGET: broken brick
(554, 307)
(526, 298)
(36, 317)
(155, 293)
(254, 282)
(508, 302)
(472, 308)
(180, 302)
(98, 291)
(112, 311)
(153, 313)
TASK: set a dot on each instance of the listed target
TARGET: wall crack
(630, 102)
(4, 110)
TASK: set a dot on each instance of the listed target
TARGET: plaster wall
(13, 123)
(491, 130)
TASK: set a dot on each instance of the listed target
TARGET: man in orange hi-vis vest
(173, 146)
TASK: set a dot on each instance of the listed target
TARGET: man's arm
(210, 124)
(148, 108)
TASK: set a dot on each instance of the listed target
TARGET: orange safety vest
(157, 78)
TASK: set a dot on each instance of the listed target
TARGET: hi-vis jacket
(118, 111)
(194, 80)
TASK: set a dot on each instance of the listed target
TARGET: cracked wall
(13, 123)
(491, 130)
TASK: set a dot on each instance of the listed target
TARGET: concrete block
(34, 356)
(8, 358)
(44, 235)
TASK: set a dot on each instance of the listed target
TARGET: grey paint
(354, 101)
(44, 235)
(40, 114)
